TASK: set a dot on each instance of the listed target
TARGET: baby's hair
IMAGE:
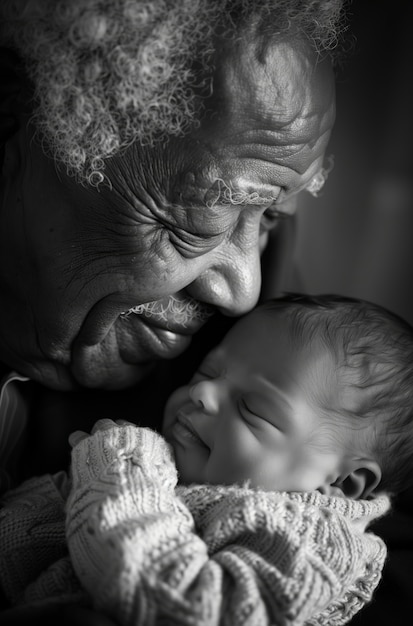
(373, 349)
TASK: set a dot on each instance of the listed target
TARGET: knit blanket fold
(212, 554)
(122, 536)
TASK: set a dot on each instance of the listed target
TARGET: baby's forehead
(282, 323)
(306, 329)
(271, 338)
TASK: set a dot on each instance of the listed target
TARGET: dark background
(356, 238)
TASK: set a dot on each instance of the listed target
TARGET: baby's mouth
(184, 431)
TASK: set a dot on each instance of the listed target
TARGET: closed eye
(203, 374)
(254, 416)
(190, 245)
(247, 412)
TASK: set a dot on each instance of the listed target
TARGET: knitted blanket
(148, 552)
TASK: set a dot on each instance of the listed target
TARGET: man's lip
(113, 353)
(161, 342)
(140, 339)
(111, 350)
(117, 362)
(104, 315)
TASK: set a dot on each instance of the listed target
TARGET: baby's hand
(114, 446)
(104, 424)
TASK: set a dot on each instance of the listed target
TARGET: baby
(285, 442)
(302, 394)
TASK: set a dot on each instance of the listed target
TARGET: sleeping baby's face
(250, 413)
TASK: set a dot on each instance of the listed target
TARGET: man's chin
(51, 375)
(112, 378)
(90, 375)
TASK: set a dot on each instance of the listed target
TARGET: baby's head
(303, 393)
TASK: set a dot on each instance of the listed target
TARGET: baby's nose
(205, 395)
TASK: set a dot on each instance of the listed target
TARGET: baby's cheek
(226, 469)
(175, 402)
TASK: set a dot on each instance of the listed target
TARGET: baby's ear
(360, 481)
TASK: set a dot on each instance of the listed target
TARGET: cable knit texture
(34, 560)
(151, 553)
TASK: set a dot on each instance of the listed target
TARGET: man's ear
(361, 481)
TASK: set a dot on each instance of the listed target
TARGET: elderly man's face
(180, 229)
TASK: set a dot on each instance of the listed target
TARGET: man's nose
(205, 394)
(232, 282)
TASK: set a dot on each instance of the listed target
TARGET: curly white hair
(107, 73)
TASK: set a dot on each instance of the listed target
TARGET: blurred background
(356, 237)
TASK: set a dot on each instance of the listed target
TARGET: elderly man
(154, 145)
(148, 149)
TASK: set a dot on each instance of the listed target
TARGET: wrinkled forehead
(278, 94)
(268, 120)
(283, 78)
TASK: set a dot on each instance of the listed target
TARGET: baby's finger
(124, 423)
(103, 424)
(76, 437)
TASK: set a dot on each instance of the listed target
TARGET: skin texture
(182, 225)
(253, 412)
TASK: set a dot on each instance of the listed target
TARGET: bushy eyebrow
(222, 192)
